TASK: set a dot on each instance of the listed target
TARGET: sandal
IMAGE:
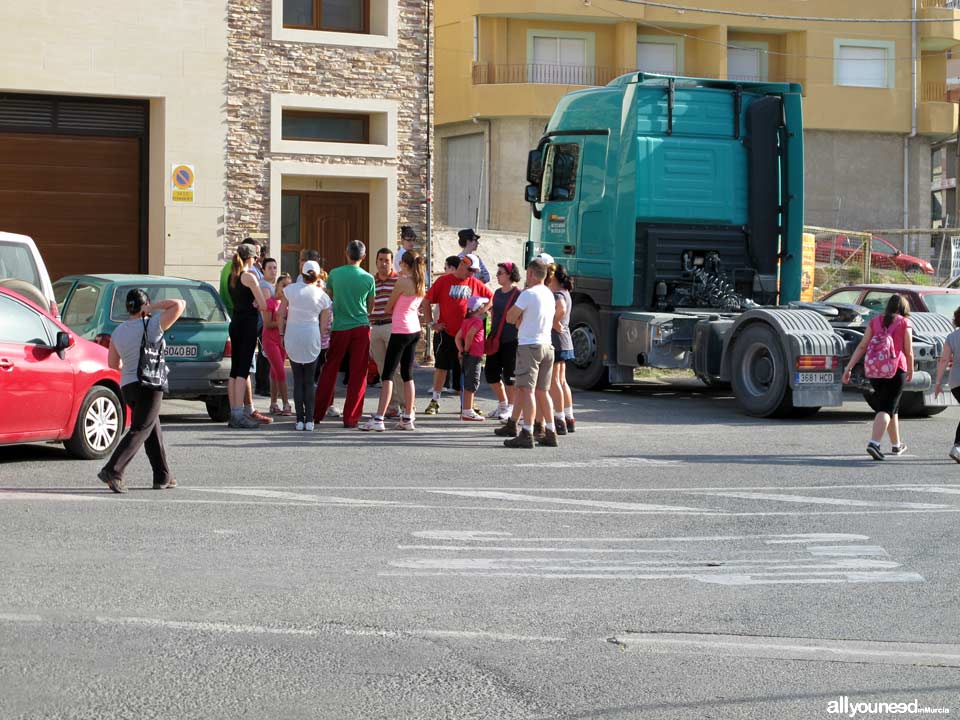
(275, 409)
(287, 410)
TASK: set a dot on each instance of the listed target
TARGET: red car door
(36, 385)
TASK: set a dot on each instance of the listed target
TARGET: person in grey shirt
(124, 355)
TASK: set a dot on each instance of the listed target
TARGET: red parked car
(54, 386)
(883, 255)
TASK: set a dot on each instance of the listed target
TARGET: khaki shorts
(534, 366)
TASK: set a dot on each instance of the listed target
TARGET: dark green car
(198, 345)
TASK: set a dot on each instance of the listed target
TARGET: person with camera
(128, 345)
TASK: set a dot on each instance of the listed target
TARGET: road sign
(182, 179)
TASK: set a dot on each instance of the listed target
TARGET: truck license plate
(815, 378)
(178, 351)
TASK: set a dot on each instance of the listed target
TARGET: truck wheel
(586, 371)
(759, 373)
(911, 406)
(98, 427)
(218, 407)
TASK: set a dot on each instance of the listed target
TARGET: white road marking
(537, 488)
(660, 566)
(502, 548)
(635, 507)
(302, 497)
(817, 500)
(785, 648)
(752, 579)
(484, 535)
(847, 551)
(937, 489)
(600, 463)
(43, 495)
(20, 618)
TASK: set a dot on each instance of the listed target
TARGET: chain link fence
(903, 257)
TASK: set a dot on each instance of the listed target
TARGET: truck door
(560, 201)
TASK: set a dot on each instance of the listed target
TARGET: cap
(545, 258)
(473, 262)
(467, 235)
(311, 266)
(476, 302)
(246, 251)
(407, 233)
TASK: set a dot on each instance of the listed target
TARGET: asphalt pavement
(672, 559)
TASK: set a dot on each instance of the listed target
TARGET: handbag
(152, 369)
(491, 345)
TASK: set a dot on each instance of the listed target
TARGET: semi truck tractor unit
(677, 206)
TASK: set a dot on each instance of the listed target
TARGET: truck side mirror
(535, 166)
(532, 194)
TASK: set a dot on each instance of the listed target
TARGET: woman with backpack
(145, 327)
(887, 352)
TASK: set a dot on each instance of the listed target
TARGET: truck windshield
(560, 172)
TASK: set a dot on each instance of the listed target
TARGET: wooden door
(330, 220)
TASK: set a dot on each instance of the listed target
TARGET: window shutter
(657, 58)
(862, 66)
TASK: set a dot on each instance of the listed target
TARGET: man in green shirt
(352, 289)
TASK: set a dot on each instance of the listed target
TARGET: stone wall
(258, 65)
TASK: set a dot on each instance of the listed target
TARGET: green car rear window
(203, 304)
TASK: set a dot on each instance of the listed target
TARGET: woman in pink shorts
(273, 349)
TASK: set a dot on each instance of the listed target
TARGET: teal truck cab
(677, 206)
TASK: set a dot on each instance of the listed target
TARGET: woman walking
(404, 309)
(274, 350)
(949, 358)
(147, 321)
(561, 284)
(887, 349)
(305, 307)
(246, 295)
(501, 367)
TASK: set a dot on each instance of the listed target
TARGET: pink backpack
(882, 359)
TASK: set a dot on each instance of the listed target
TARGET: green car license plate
(181, 351)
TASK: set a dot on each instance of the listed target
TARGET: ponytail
(236, 267)
(560, 273)
(415, 264)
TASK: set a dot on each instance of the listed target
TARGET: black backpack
(152, 368)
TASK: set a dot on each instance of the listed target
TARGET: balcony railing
(491, 74)
(933, 92)
(952, 4)
(487, 74)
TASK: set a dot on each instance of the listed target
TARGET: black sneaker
(561, 426)
(571, 425)
(549, 439)
(508, 429)
(115, 484)
(898, 449)
(523, 440)
(171, 483)
(874, 451)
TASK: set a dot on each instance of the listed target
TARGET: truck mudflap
(761, 361)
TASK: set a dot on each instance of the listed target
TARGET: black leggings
(243, 340)
(956, 394)
(401, 349)
(304, 389)
(887, 393)
(144, 432)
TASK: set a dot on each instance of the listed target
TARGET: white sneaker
(496, 412)
(406, 425)
(373, 424)
(334, 412)
(308, 427)
(955, 453)
(299, 426)
(471, 416)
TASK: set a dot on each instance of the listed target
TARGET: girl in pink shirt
(273, 349)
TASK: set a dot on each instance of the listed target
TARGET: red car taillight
(103, 339)
(228, 349)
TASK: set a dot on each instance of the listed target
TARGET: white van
(20, 260)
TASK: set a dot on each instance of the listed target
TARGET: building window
(325, 127)
(328, 15)
(476, 38)
(660, 54)
(864, 63)
(560, 57)
(747, 61)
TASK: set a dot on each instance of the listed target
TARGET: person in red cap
(452, 293)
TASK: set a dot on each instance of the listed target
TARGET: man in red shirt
(452, 293)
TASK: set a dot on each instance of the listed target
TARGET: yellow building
(871, 110)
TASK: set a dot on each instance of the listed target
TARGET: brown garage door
(77, 196)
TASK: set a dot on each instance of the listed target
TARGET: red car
(883, 255)
(54, 386)
(922, 298)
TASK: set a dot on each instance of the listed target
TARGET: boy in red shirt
(452, 293)
(470, 344)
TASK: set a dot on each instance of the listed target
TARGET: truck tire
(759, 373)
(98, 427)
(911, 406)
(586, 371)
(218, 407)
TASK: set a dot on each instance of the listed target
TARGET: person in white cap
(470, 345)
(305, 307)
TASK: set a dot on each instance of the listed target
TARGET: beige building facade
(138, 136)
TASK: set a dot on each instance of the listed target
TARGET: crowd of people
(323, 324)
